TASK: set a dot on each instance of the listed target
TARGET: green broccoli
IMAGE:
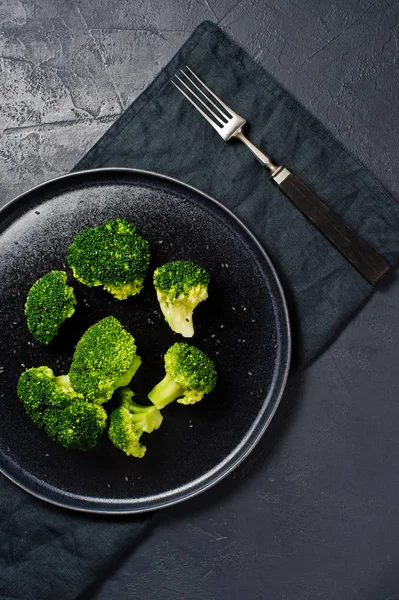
(129, 420)
(54, 406)
(104, 360)
(112, 255)
(49, 303)
(39, 388)
(190, 374)
(80, 425)
(180, 285)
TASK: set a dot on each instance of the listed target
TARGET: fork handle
(368, 262)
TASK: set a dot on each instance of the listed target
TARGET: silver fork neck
(263, 158)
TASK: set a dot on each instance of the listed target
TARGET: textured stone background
(287, 526)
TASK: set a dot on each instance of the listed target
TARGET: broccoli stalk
(190, 374)
(168, 390)
(64, 383)
(179, 313)
(129, 421)
(180, 286)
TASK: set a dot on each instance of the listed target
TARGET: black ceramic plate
(243, 326)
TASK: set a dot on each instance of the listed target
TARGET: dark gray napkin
(162, 132)
(49, 553)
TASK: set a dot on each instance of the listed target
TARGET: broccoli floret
(79, 426)
(112, 255)
(49, 303)
(180, 285)
(190, 374)
(129, 420)
(38, 388)
(54, 406)
(104, 360)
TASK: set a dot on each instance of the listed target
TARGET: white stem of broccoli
(180, 318)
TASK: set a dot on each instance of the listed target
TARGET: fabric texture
(46, 552)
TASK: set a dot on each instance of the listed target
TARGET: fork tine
(227, 108)
(217, 123)
(222, 116)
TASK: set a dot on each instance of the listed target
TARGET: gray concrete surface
(313, 512)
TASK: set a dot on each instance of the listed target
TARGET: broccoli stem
(148, 417)
(181, 319)
(178, 315)
(165, 392)
(63, 382)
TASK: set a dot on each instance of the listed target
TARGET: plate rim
(152, 502)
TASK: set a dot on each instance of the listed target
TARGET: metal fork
(229, 125)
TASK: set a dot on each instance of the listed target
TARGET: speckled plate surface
(243, 326)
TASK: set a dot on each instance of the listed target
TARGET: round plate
(243, 326)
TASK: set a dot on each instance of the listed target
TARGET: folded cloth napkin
(47, 552)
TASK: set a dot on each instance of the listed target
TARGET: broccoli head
(79, 426)
(49, 303)
(190, 374)
(180, 285)
(129, 420)
(112, 255)
(54, 406)
(38, 388)
(104, 359)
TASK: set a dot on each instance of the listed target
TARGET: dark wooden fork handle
(370, 264)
